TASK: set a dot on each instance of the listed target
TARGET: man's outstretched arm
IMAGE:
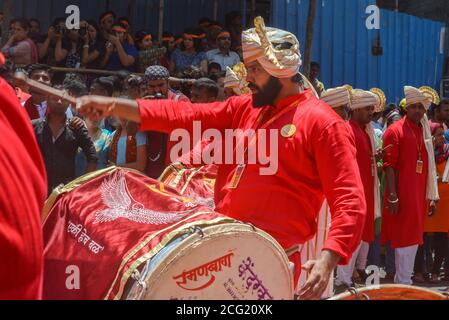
(97, 108)
(161, 115)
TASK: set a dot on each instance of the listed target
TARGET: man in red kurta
(315, 156)
(406, 164)
(23, 190)
(362, 105)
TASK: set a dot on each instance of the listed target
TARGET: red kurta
(365, 161)
(317, 161)
(23, 190)
(406, 227)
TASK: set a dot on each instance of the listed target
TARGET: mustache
(253, 86)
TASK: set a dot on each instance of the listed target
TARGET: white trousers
(362, 258)
(405, 263)
(344, 273)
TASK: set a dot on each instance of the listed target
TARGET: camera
(59, 29)
(83, 31)
(158, 96)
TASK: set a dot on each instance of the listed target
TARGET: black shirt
(59, 156)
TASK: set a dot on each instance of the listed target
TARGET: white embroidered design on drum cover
(206, 202)
(121, 204)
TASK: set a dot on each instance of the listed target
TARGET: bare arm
(60, 53)
(320, 273)
(141, 163)
(43, 48)
(393, 200)
(89, 57)
(125, 59)
(97, 108)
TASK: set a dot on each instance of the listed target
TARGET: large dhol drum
(117, 234)
(391, 292)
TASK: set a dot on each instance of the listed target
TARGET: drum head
(223, 262)
(391, 292)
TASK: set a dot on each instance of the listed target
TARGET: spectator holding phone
(54, 50)
(94, 44)
(120, 55)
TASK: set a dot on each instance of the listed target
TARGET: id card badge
(419, 166)
(237, 176)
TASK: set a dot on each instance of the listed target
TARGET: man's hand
(114, 40)
(432, 208)
(76, 123)
(393, 204)
(320, 273)
(109, 48)
(380, 155)
(95, 107)
(51, 32)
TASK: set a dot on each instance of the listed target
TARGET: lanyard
(418, 146)
(235, 181)
(258, 123)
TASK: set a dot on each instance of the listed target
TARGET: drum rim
(364, 291)
(214, 231)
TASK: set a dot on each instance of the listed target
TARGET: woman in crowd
(190, 54)
(102, 141)
(94, 44)
(129, 147)
(20, 48)
(149, 55)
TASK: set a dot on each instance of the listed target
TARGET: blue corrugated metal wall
(179, 14)
(342, 44)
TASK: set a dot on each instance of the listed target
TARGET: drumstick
(43, 88)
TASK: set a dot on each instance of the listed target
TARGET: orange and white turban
(276, 50)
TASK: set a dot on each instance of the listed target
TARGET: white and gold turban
(414, 95)
(362, 99)
(276, 50)
(337, 97)
(236, 79)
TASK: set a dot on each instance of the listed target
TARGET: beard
(266, 96)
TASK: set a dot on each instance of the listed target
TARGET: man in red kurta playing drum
(316, 159)
(411, 178)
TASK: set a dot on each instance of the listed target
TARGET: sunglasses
(225, 39)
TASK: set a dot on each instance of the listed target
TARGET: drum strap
(297, 248)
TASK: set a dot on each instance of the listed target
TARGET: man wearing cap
(157, 86)
(362, 109)
(316, 159)
(223, 54)
(411, 179)
(339, 100)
